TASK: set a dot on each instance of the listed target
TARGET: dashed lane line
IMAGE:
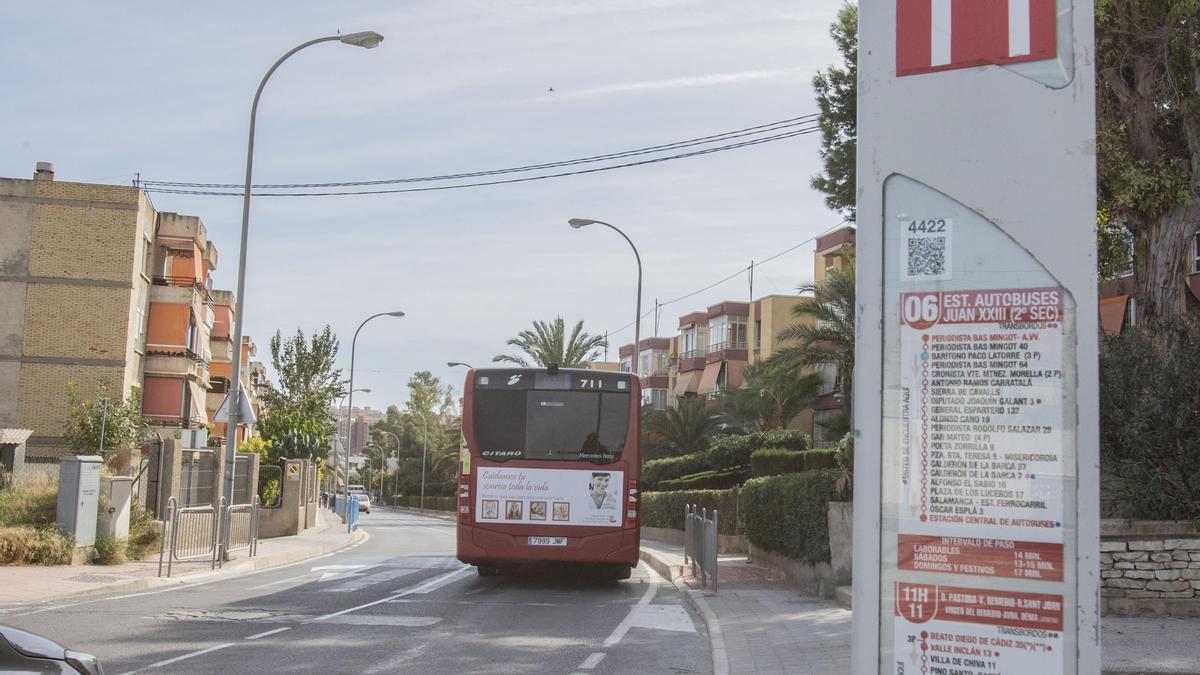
(592, 661)
(267, 632)
(177, 659)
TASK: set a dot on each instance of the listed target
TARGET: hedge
(666, 509)
(658, 470)
(730, 451)
(776, 461)
(789, 514)
(707, 480)
(434, 503)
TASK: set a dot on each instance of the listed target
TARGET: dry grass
(34, 546)
(34, 506)
(144, 534)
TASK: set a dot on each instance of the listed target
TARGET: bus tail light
(631, 506)
(464, 499)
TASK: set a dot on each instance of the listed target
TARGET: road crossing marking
(622, 628)
(436, 582)
(266, 633)
(592, 661)
(365, 580)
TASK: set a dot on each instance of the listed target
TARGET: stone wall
(1150, 567)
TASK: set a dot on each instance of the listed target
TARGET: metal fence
(197, 477)
(242, 493)
(241, 528)
(189, 534)
(700, 543)
(270, 485)
(36, 471)
(338, 501)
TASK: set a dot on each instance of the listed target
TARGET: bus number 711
(591, 384)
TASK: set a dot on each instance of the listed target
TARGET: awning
(14, 436)
(1112, 314)
(708, 381)
(686, 383)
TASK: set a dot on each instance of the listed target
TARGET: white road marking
(266, 633)
(382, 620)
(592, 661)
(622, 628)
(365, 580)
(436, 582)
(177, 659)
(664, 617)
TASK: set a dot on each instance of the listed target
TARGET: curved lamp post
(350, 406)
(366, 40)
(577, 223)
(453, 364)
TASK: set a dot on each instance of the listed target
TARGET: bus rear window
(551, 425)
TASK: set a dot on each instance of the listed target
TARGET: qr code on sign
(926, 257)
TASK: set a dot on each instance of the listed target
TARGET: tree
(549, 344)
(772, 394)
(682, 430)
(297, 420)
(431, 409)
(1148, 141)
(837, 102)
(122, 422)
(824, 332)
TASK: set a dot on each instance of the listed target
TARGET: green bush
(666, 509)
(707, 480)
(109, 551)
(730, 451)
(789, 514)
(670, 468)
(777, 461)
(33, 506)
(34, 546)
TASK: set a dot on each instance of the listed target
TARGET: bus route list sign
(981, 478)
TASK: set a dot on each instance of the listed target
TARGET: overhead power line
(789, 131)
(736, 274)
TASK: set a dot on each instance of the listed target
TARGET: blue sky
(107, 90)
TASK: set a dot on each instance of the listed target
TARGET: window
(822, 437)
(655, 398)
(626, 364)
(551, 425)
(727, 332)
(693, 341)
(191, 334)
(652, 362)
(828, 372)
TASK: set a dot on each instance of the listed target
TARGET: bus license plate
(547, 541)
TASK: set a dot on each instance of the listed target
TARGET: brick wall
(78, 322)
(1150, 567)
(43, 405)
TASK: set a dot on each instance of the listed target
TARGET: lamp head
(396, 314)
(366, 39)
(365, 391)
(581, 222)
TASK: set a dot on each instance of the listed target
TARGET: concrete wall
(1150, 567)
(841, 541)
(291, 516)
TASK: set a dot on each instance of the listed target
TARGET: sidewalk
(758, 625)
(32, 585)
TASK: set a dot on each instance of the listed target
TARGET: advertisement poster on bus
(589, 497)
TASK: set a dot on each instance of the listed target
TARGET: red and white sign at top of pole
(933, 35)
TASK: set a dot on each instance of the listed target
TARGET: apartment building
(653, 355)
(716, 345)
(96, 286)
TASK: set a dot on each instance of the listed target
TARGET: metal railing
(241, 529)
(351, 513)
(190, 534)
(700, 543)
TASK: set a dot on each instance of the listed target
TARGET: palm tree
(548, 344)
(825, 330)
(772, 395)
(683, 430)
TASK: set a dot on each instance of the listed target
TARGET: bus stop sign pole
(976, 514)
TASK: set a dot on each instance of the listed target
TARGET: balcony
(218, 385)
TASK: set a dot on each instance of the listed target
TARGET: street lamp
(452, 364)
(350, 406)
(424, 454)
(366, 40)
(369, 471)
(577, 223)
(396, 476)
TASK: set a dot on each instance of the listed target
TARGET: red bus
(550, 470)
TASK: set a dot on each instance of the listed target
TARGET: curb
(244, 566)
(695, 599)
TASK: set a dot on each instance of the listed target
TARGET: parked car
(364, 500)
(24, 652)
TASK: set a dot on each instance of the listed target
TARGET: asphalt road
(398, 602)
